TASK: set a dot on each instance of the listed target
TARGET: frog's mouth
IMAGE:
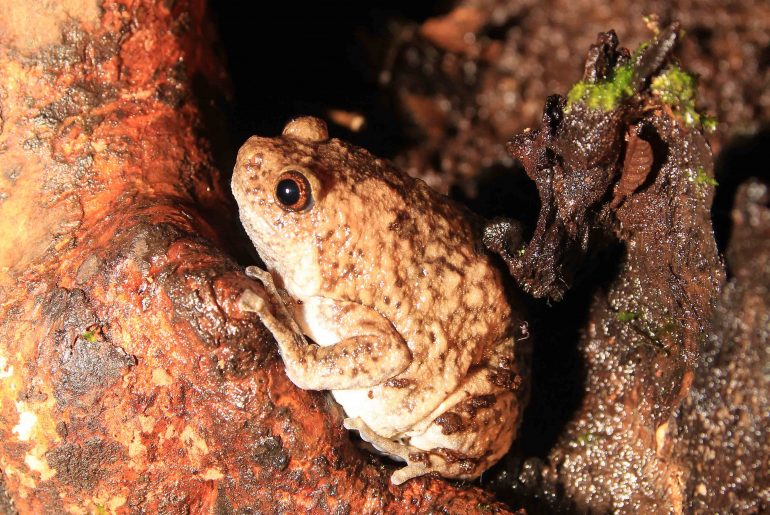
(260, 231)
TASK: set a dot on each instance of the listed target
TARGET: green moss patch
(90, 336)
(700, 176)
(673, 86)
(677, 88)
(626, 316)
(605, 95)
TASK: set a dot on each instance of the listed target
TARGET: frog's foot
(272, 309)
(267, 281)
(418, 461)
(332, 367)
(250, 300)
(279, 299)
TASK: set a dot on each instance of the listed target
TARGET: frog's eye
(293, 190)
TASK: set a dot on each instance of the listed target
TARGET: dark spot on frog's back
(505, 375)
(450, 423)
(401, 217)
(472, 405)
(419, 457)
(403, 225)
(507, 379)
(452, 456)
(399, 383)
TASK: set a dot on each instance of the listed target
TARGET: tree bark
(129, 380)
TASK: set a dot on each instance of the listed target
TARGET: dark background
(302, 58)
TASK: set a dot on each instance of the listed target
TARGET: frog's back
(413, 255)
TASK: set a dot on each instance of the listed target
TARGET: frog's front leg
(371, 352)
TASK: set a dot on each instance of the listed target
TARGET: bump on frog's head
(307, 129)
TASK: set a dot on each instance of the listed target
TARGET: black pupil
(288, 192)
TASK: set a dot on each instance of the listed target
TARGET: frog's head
(279, 188)
(305, 199)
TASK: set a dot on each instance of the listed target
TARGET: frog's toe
(257, 273)
(418, 462)
(384, 445)
(250, 301)
(422, 462)
(354, 424)
(364, 431)
(404, 474)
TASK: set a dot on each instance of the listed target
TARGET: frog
(376, 288)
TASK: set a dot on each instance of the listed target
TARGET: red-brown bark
(129, 380)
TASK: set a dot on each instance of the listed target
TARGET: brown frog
(411, 329)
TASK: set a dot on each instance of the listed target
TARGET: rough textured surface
(129, 380)
(80, 121)
(649, 315)
(723, 435)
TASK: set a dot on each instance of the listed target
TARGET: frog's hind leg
(466, 434)
(418, 461)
